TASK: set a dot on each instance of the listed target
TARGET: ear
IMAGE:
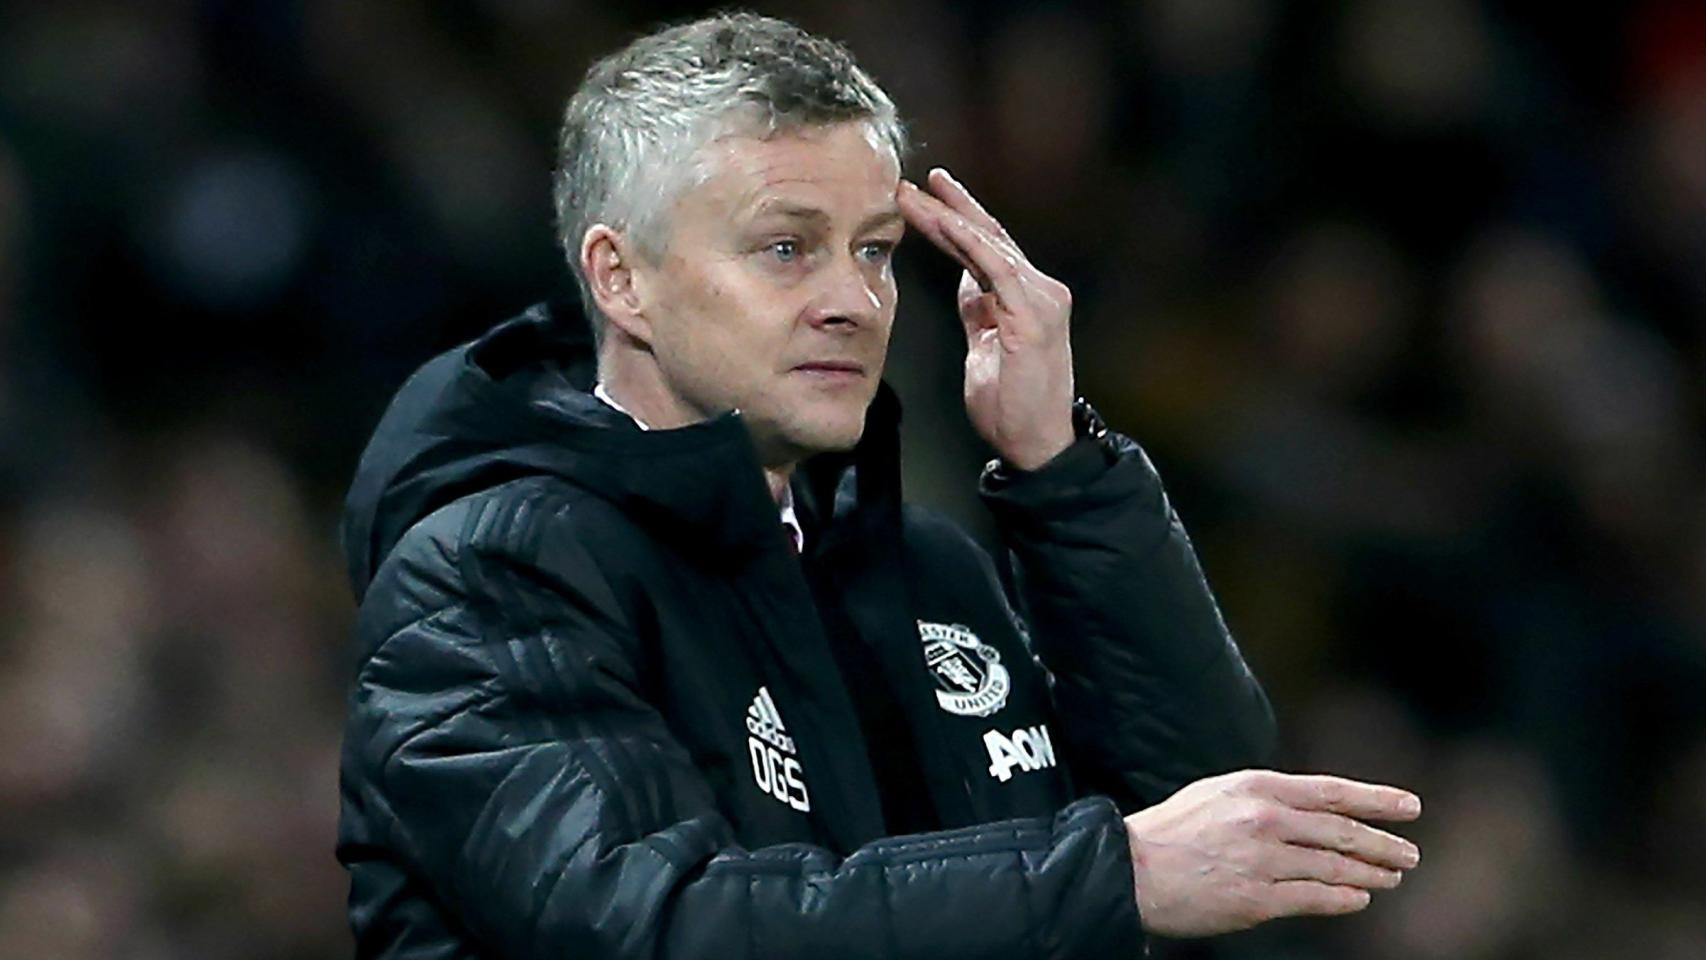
(609, 261)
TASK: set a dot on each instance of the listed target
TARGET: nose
(851, 296)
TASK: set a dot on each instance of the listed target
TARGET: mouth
(832, 371)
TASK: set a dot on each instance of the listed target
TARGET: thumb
(975, 305)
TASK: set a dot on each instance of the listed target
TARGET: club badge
(970, 679)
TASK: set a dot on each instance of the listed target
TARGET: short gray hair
(634, 127)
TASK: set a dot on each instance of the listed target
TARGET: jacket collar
(701, 484)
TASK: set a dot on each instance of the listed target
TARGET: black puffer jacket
(595, 712)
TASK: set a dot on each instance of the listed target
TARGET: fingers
(970, 291)
(1365, 801)
(1328, 831)
(993, 264)
(1292, 898)
(955, 195)
(1028, 306)
(924, 213)
(949, 230)
(1303, 863)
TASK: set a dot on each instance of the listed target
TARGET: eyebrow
(881, 219)
(795, 211)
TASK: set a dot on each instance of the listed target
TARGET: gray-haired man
(655, 661)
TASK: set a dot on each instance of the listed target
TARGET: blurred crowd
(1407, 300)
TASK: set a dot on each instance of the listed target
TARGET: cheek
(727, 331)
(889, 293)
(693, 314)
(888, 298)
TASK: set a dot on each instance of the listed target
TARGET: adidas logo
(763, 722)
(775, 771)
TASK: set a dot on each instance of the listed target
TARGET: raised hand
(1236, 850)
(1017, 320)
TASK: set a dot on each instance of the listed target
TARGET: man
(655, 662)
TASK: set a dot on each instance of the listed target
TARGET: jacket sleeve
(503, 738)
(1150, 689)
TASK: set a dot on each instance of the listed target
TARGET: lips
(832, 366)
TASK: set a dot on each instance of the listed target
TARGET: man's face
(775, 294)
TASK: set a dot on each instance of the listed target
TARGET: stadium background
(1406, 299)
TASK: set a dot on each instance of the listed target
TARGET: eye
(787, 251)
(877, 251)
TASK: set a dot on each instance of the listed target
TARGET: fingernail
(1411, 805)
(1412, 856)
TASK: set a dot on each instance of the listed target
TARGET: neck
(633, 380)
(777, 479)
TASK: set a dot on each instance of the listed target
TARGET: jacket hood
(515, 403)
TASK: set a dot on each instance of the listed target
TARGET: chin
(801, 439)
(831, 440)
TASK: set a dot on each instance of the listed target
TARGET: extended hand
(1018, 325)
(1232, 851)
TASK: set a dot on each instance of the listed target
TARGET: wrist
(1142, 894)
(1085, 429)
(1039, 453)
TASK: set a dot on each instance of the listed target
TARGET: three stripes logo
(774, 767)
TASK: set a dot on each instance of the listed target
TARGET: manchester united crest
(970, 679)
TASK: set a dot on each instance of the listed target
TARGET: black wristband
(1087, 424)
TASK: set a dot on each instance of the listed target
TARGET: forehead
(842, 169)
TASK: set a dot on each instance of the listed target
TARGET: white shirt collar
(790, 518)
